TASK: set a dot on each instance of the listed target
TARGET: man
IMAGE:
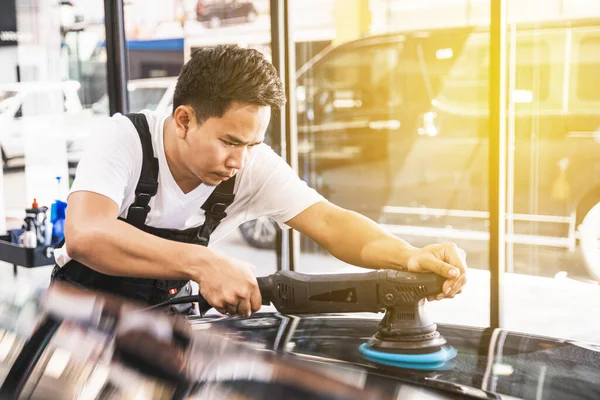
(128, 235)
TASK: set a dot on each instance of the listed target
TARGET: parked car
(396, 127)
(151, 94)
(70, 344)
(29, 105)
(54, 104)
(215, 13)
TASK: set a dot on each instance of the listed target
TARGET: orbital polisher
(405, 337)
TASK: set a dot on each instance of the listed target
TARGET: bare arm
(352, 237)
(96, 238)
(357, 240)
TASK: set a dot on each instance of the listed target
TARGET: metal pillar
(284, 123)
(497, 159)
(116, 57)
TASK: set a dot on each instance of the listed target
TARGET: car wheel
(589, 240)
(215, 22)
(260, 233)
(251, 16)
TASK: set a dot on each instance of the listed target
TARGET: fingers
(233, 289)
(441, 268)
(255, 300)
(251, 303)
(456, 287)
(244, 303)
(451, 288)
(456, 256)
(447, 260)
(244, 308)
(447, 286)
(232, 309)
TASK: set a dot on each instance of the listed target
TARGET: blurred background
(392, 121)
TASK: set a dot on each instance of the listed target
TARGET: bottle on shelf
(57, 216)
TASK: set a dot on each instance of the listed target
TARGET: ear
(184, 116)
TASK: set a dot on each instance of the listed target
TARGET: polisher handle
(293, 292)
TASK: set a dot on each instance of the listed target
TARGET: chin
(211, 180)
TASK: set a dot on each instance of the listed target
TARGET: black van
(395, 126)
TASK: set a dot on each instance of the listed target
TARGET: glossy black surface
(489, 364)
(72, 344)
(112, 346)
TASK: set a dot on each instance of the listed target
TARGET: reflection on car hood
(490, 363)
(63, 343)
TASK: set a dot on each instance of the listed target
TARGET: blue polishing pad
(428, 361)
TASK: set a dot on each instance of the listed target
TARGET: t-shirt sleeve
(278, 192)
(111, 156)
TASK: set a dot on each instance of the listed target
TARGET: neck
(184, 178)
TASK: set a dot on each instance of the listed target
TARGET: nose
(237, 158)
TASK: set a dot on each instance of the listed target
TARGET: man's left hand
(447, 260)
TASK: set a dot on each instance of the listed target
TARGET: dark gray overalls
(150, 291)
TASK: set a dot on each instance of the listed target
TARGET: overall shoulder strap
(214, 209)
(148, 184)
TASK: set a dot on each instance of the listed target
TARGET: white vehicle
(144, 94)
(47, 104)
(25, 106)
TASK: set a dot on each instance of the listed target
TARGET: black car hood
(490, 363)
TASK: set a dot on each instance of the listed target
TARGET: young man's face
(217, 149)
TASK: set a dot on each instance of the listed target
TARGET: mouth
(223, 177)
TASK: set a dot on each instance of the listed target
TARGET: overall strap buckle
(148, 183)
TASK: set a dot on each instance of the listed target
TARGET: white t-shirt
(112, 164)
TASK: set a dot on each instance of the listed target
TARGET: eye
(228, 144)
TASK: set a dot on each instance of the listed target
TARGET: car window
(587, 69)
(467, 83)
(101, 106)
(145, 98)
(356, 79)
(532, 70)
(41, 103)
(139, 99)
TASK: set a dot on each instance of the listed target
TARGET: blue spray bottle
(57, 217)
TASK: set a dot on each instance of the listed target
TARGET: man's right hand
(230, 286)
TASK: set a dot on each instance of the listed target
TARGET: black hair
(216, 76)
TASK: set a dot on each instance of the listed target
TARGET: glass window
(467, 83)
(48, 78)
(532, 70)
(354, 80)
(382, 131)
(552, 179)
(587, 69)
